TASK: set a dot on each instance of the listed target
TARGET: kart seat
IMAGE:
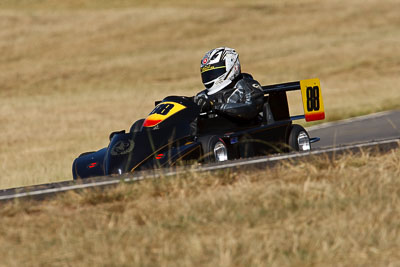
(268, 117)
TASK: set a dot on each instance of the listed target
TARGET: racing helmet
(219, 67)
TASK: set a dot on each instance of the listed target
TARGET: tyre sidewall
(295, 130)
(207, 144)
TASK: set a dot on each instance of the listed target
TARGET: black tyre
(136, 126)
(299, 140)
(214, 148)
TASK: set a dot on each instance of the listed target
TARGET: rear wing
(313, 105)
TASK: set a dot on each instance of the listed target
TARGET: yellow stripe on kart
(161, 112)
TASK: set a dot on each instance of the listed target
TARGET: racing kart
(176, 132)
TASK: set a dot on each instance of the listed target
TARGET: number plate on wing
(312, 100)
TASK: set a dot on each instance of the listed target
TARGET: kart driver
(228, 91)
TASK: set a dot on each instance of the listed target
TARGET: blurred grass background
(73, 71)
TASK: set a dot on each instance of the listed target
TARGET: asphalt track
(377, 132)
(377, 126)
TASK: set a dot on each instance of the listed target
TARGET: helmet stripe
(208, 68)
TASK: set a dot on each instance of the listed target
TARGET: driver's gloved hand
(217, 107)
(203, 102)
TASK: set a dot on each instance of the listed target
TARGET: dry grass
(340, 213)
(73, 71)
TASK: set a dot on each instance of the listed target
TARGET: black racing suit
(241, 100)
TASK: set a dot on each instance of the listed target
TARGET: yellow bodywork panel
(161, 112)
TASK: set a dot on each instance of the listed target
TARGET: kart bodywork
(176, 132)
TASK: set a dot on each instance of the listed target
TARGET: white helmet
(219, 67)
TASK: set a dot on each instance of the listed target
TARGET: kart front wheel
(214, 148)
(299, 140)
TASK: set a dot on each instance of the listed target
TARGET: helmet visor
(212, 72)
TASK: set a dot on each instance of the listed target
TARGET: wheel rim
(303, 141)
(220, 152)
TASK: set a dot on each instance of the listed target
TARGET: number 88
(313, 98)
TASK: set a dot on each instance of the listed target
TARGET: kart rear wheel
(214, 148)
(299, 140)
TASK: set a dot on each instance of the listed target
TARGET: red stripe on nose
(151, 123)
